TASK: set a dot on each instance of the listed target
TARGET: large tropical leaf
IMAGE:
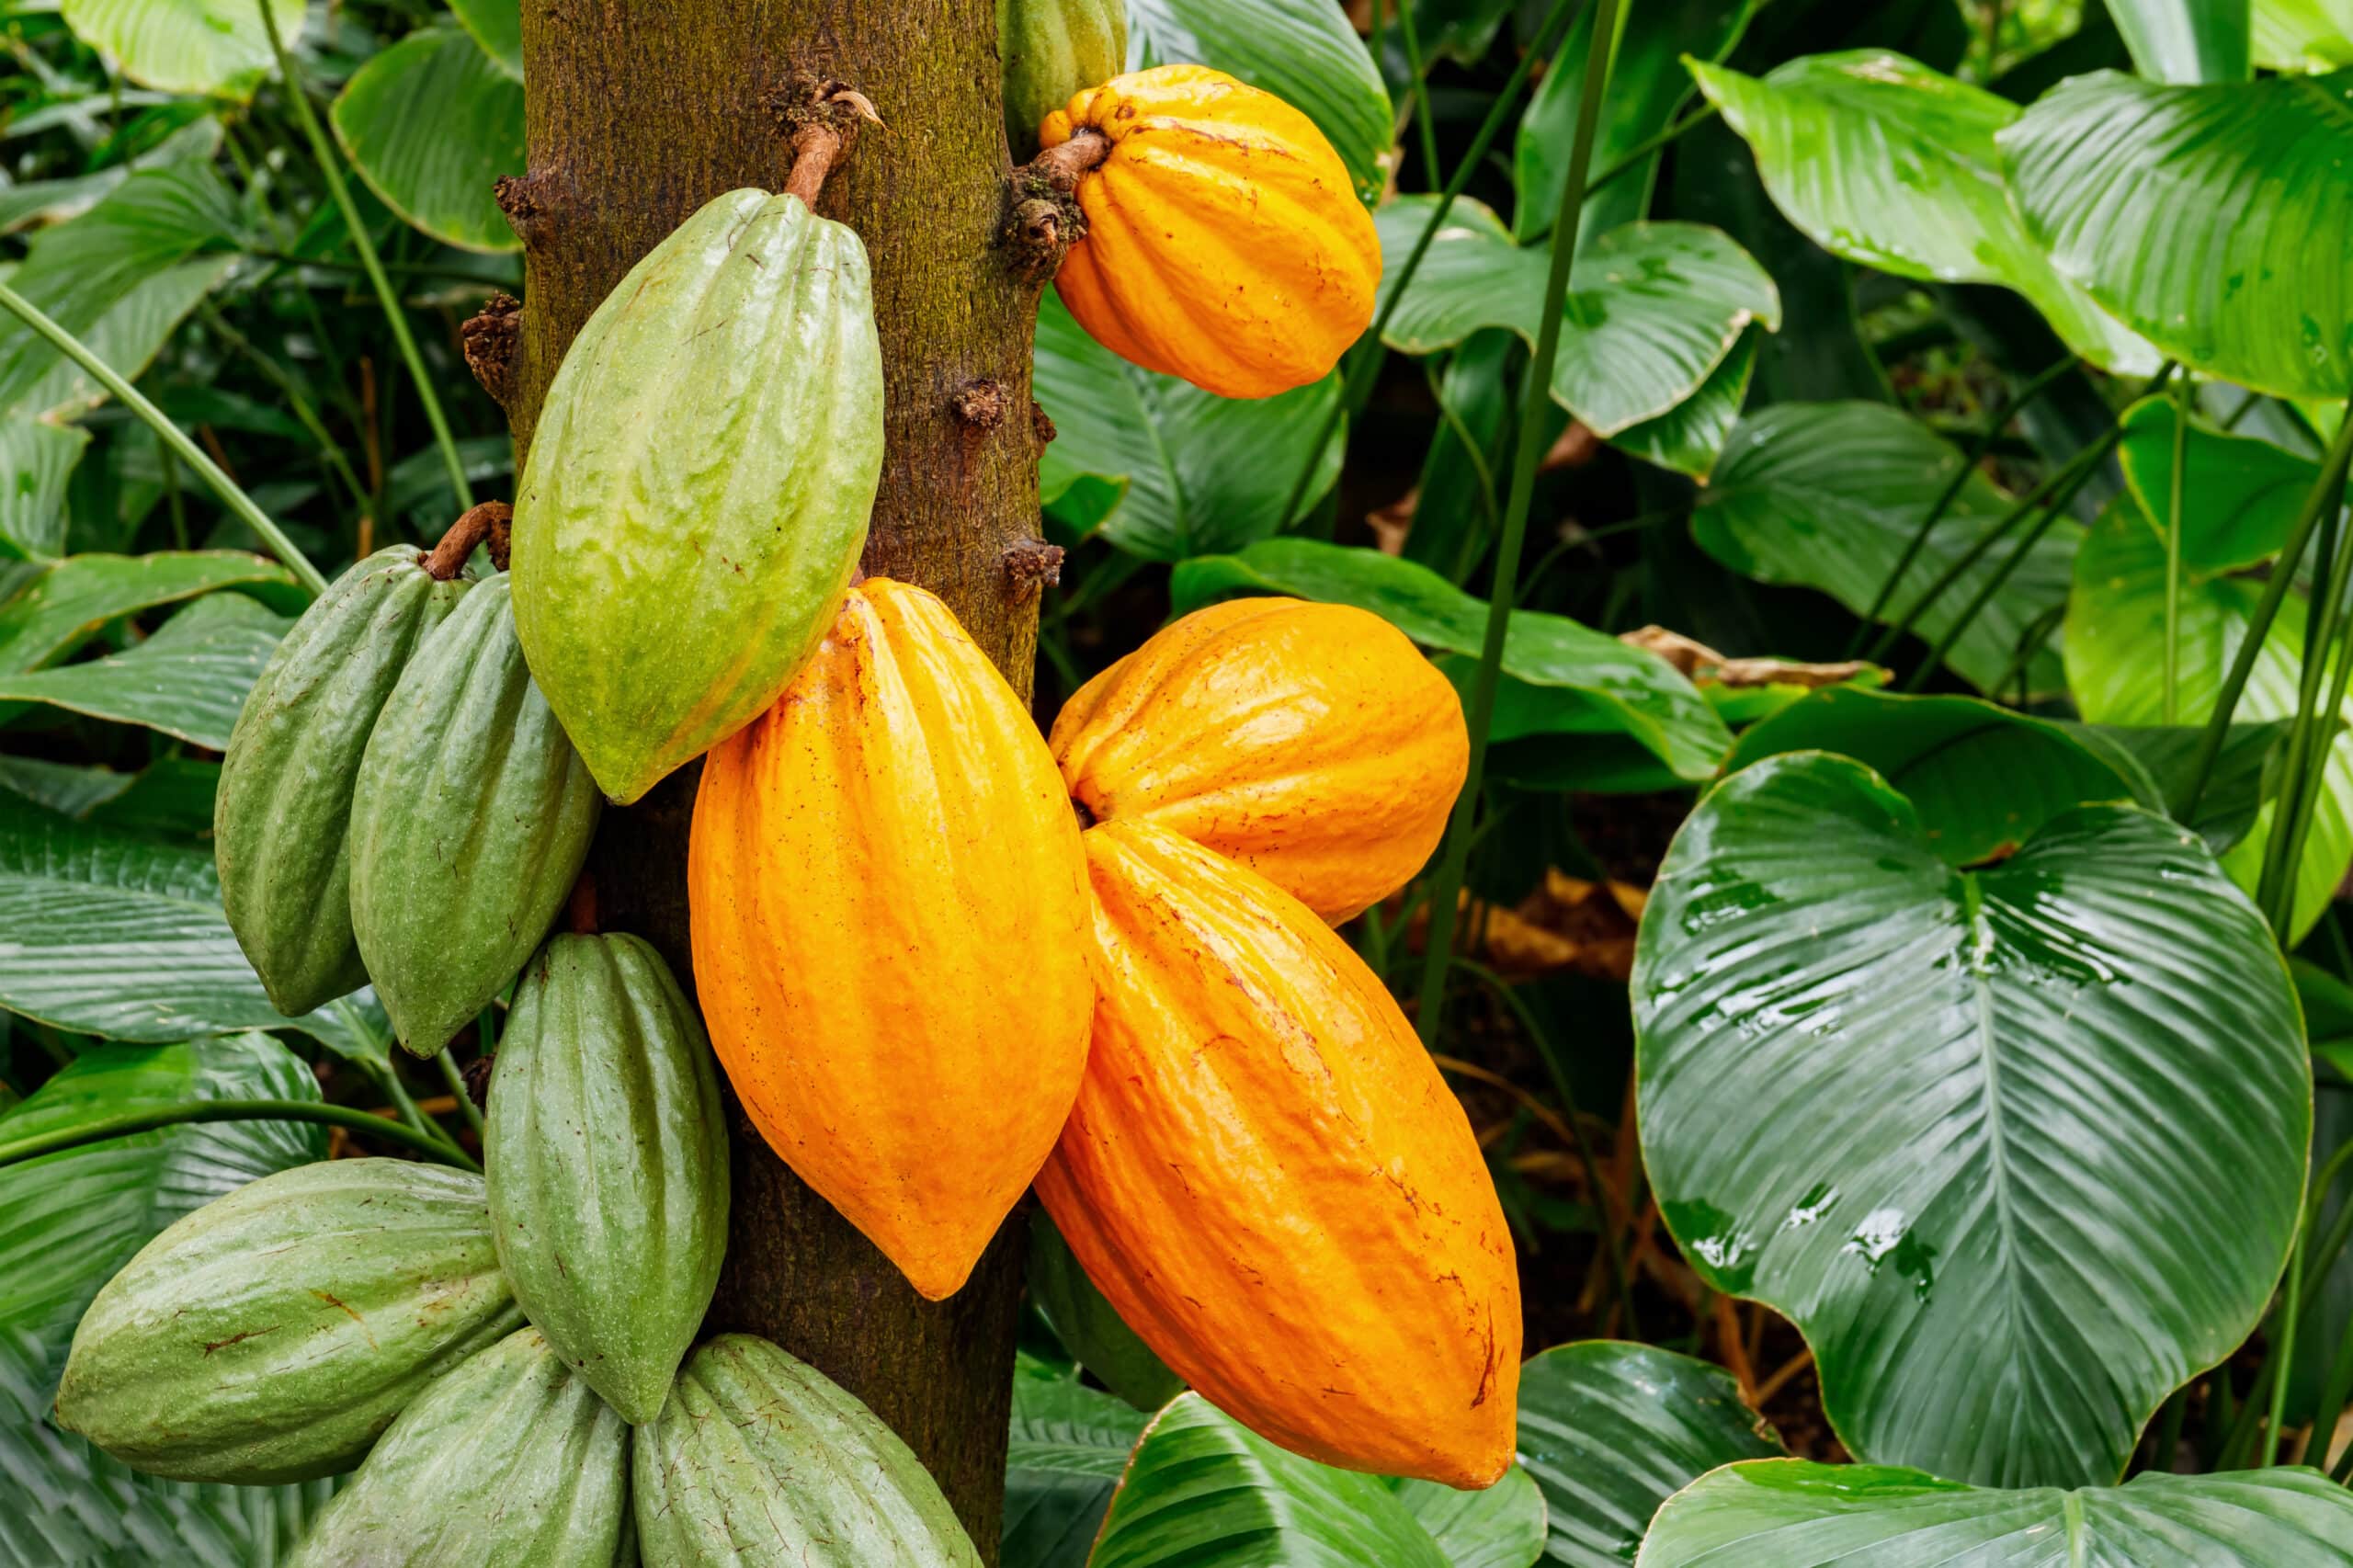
(2186, 41)
(190, 679)
(430, 124)
(1653, 308)
(497, 26)
(1502, 1527)
(1590, 683)
(1611, 1430)
(38, 456)
(2303, 35)
(57, 610)
(2213, 220)
(1887, 163)
(1204, 1491)
(1690, 436)
(1070, 1445)
(1878, 1094)
(1828, 495)
(185, 46)
(2240, 495)
(1797, 1513)
(1201, 473)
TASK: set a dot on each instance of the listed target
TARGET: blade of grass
(2173, 552)
(128, 1122)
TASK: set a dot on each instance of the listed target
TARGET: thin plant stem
(2336, 1397)
(331, 169)
(232, 494)
(1535, 399)
(153, 1116)
(1650, 145)
(2168, 1434)
(457, 1082)
(1423, 121)
(2241, 1429)
(2276, 890)
(330, 449)
(2027, 505)
(1461, 433)
(2291, 1299)
(2173, 551)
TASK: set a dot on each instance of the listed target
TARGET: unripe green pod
(272, 1334)
(469, 822)
(510, 1461)
(699, 484)
(606, 1148)
(1091, 1328)
(1050, 51)
(758, 1458)
(277, 822)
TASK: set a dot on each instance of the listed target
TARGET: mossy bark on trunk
(639, 113)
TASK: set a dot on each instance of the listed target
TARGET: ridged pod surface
(890, 922)
(1090, 1327)
(1224, 240)
(607, 1149)
(759, 1459)
(277, 821)
(510, 1461)
(1309, 742)
(1050, 50)
(1266, 1177)
(271, 1335)
(699, 483)
(469, 823)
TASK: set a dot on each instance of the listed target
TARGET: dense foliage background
(1948, 418)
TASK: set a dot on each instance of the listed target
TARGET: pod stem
(482, 520)
(823, 127)
(1042, 218)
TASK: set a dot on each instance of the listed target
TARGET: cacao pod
(1050, 50)
(698, 486)
(1309, 742)
(607, 1149)
(1090, 1327)
(510, 1461)
(468, 824)
(1224, 241)
(277, 821)
(1266, 1177)
(272, 1334)
(889, 909)
(760, 1458)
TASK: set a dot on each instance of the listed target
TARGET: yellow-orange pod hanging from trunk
(890, 917)
(1266, 1177)
(1224, 241)
(1310, 742)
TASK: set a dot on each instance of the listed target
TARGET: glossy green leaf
(2245, 776)
(185, 46)
(2185, 41)
(1865, 1081)
(1204, 1491)
(1502, 1527)
(36, 457)
(431, 123)
(1203, 472)
(2213, 220)
(1980, 777)
(1596, 684)
(2115, 650)
(171, 797)
(1069, 1447)
(1303, 52)
(1651, 310)
(1690, 436)
(62, 787)
(2240, 495)
(1797, 1513)
(189, 680)
(1887, 163)
(56, 611)
(48, 201)
(1609, 1429)
(2303, 35)
(1828, 495)
(498, 27)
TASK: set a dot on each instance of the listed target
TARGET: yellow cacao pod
(1266, 1177)
(889, 909)
(1309, 742)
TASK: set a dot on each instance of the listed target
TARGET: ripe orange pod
(1224, 241)
(889, 908)
(1309, 742)
(1266, 1177)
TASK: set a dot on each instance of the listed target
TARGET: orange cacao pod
(1312, 742)
(889, 908)
(1224, 241)
(1266, 1177)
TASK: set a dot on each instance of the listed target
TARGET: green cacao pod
(1052, 50)
(510, 1461)
(277, 822)
(272, 1334)
(759, 1459)
(1091, 1328)
(468, 824)
(606, 1148)
(697, 487)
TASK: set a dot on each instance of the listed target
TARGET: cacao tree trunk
(639, 113)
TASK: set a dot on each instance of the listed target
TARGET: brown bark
(639, 113)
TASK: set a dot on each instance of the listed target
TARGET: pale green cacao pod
(758, 1458)
(510, 1461)
(468, 824)
(1091, 1328)
(699, 483)
(607, 1149)
(272, 1334)
(1050, 51)
(277, 822)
